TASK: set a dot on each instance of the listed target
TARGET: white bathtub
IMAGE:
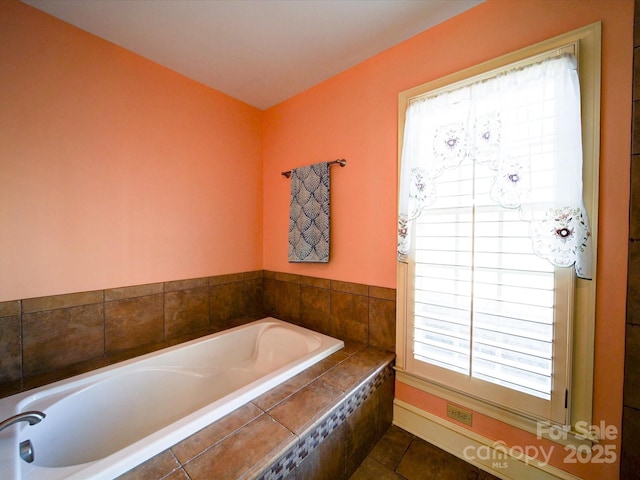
(103, 423)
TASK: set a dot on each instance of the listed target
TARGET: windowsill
(555, 433)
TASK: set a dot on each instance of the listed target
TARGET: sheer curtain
(523, 126)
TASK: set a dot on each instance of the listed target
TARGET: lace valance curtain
(524, 126)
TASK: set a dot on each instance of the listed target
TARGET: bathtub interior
(70, 437)
(112, 419)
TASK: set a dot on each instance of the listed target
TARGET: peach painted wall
(354, 115)
(115, 171)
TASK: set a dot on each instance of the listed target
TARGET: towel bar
(341, 161)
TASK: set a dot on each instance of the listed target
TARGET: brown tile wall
(363, 313)
(49, 338)
(630, 455)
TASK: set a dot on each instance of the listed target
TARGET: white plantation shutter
(484, 302)
(443, 276)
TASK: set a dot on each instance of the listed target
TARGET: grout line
(21, 343)
(104, 325)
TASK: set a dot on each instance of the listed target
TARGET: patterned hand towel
(309, 214)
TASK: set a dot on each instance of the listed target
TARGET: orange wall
(354, 115)
(114, 170)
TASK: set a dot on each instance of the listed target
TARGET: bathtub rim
(127, 458)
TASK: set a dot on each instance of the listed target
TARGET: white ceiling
(258, 51)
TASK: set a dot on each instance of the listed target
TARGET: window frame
(587, 44)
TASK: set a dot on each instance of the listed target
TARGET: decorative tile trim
(135, 291)
(382, 293)
(229, 278)
(55, 302)
(10, 309)
(282, 276)
(255, 274)
(281, 467)
(350, 287)
(190, 284)
(315, 282)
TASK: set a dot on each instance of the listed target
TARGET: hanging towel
(309, 214)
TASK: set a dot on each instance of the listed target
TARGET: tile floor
(399, 455)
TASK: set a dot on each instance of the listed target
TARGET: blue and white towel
(309, 214)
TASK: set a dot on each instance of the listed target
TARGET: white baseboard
(473, 448)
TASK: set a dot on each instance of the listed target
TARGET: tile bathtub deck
(243, 443)
(240, 444)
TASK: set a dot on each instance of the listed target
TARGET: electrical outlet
(459, 414)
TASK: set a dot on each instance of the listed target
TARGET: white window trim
(580, 401)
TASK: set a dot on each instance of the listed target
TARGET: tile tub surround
(363, 313)
(320, 424)
(50, 338)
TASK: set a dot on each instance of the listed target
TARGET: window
(493, 228)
